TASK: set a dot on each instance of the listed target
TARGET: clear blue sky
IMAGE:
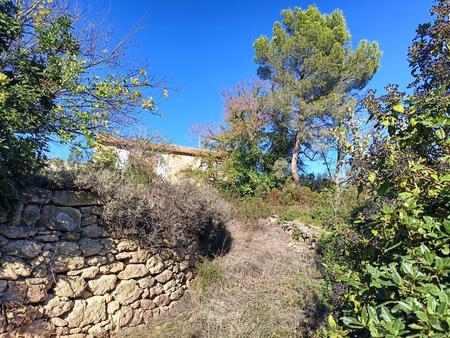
(202, 46)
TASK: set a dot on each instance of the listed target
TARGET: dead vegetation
(263, 287)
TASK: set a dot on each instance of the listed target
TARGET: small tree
(55, 85)
(242, 142)
(310, 63)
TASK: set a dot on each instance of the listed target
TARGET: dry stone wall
(61, 276)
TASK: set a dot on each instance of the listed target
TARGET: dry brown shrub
(156, 215)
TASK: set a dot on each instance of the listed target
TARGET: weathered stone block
(155, 264)
(162, 300)
(122, 317)
(147, 304)
(68, 248)
(61, 218)
(69, 198)
(170, 284)
(94, 210)
(88, 220)
(138, 317)
(71, 236)
(66, 263)
(90, 246)
(22, 248)
(127, 291)
(97, 260)
(16, 294)
(114, 267)
(140, 256)
(113, 307)
(70, 286)
(31, 214)
(58, 322)
(164, 277)
(103, 284)
(124, 255)
(92, 231)
(127, 246)
(37, 195)
(18, 231)
(146, 282)
(133, 271)
(175, 295)
(156, 290)
(37, 293)
(48, 238)
(87, 312)
(87, 273)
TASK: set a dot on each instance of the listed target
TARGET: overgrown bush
(59, 81)
(156, 215)
(292, 193)
(396, 262)
(251, 208)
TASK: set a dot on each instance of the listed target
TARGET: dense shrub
(156, 215)
(251, 208)
(396, 262)
(59, 81)
(292, 193)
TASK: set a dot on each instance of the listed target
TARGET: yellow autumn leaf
(399, 108)
(331, 322)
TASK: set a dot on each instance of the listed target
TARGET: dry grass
(263, 287)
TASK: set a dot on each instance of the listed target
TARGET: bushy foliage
(313, 73)
(397, 265)
(246, 159)
(156, 215)
(294, 194)
(309, 73)
(251, 208)
(51, 88)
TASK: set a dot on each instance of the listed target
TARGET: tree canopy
(310, 60)
(55, 85)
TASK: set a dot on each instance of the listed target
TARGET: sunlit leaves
(54, 86)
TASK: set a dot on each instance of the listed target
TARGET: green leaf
(399, 108)
(352, 322)
(440, 133)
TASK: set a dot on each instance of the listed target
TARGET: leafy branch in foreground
(397, 262)
(56, 83)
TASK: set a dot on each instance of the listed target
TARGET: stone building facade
(171, 161)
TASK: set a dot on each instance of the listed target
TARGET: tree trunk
(294, 160)
(337, 170)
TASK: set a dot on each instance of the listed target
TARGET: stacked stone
(61, 275)
(303, 232)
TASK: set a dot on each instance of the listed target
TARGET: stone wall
(60, 275)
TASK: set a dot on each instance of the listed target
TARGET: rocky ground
(268, 285)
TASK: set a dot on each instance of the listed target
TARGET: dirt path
(266, 286)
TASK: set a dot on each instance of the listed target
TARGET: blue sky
(203, 46)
